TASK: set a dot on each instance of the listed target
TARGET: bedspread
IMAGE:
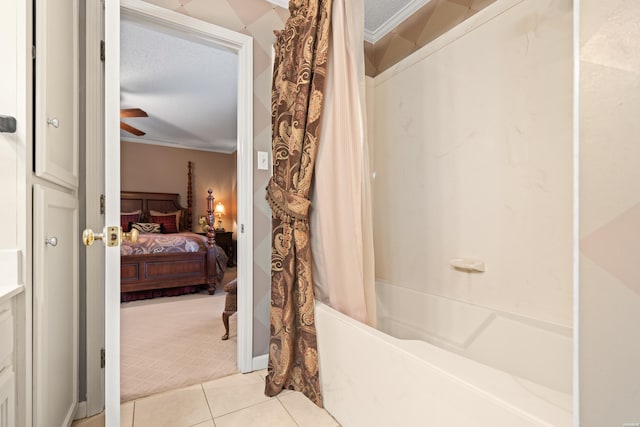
(153, 243)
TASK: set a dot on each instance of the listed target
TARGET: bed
(193, 262)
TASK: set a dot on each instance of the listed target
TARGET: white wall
(609, 213)
(473, 158)
(11, 145)
(14, 164)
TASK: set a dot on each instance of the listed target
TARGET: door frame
(243, 46)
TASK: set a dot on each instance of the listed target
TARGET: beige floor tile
(184, 407)
(262, 373)
(267, 414)
(126, 414)
(205, 424)
(306, 413)
(96, 421)
(234, 392)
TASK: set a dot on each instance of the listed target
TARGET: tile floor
(234, 401)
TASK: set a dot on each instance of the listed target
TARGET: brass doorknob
(131, 236)
(88, 237)
(110, 236)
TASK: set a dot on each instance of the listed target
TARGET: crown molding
(282, 3)
(395, 20)
(372, 36)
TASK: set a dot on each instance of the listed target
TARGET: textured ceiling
(188, 88)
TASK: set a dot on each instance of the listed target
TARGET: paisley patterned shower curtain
(297, 97)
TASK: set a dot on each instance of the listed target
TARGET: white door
(244, 46)
(55, 306)
(112, 209)
(93, 215)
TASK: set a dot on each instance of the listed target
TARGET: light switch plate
(263, 160)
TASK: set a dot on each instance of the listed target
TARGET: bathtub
(369, 378)
(535, 351)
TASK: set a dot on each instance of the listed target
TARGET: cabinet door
(56, 90)
(7, 376)
(55, 306)
(7, 399)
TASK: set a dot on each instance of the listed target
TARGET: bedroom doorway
(203, 33)
(178, 99)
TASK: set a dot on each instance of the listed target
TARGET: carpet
(173, 342)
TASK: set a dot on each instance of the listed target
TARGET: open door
(112, 210)
(102, 184)
(102, 211)
(243, 45)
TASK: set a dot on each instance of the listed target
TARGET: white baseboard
(260, 362)
(81, 410)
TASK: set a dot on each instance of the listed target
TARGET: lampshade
(219, 209)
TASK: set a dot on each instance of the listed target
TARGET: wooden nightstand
(224, 239)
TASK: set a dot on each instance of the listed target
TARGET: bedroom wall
(609, 213)
(473, 158)
(154, 168)
(258, 19)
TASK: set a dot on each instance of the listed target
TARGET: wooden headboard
(165, 202)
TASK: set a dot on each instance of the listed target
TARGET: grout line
(287, 411)
(208, 404)
(247, 407)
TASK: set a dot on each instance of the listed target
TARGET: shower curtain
(297, 99)
(336, 208)
(341, 221)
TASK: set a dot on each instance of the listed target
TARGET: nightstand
(224, 239)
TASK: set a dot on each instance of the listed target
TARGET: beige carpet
(173, 342)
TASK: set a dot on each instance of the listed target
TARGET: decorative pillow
(169, 224)
(128, 217)
(146, 227)
(175, 213)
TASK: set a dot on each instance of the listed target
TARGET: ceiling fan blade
(133, 112)
(128, 128)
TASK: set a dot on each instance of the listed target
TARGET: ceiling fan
(132, 112)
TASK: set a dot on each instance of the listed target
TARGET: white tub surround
(371, 379)
(536, 351)
(473, 191)
(472, 147)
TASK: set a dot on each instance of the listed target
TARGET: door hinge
(33, 52)
(102, 54)
(242, 228)
(102, 204)
(102, 358)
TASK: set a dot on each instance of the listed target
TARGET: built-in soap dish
(468, 264)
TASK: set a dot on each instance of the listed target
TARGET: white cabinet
(56, 91)
(7, 375)
(55, 306)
